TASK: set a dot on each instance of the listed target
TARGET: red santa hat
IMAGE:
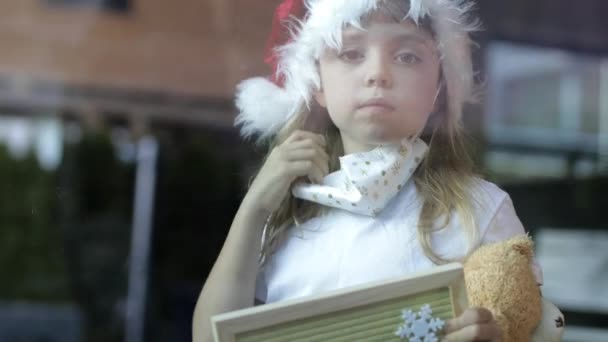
(302, 29)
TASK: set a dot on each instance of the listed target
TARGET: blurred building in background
(154, 59)
(545, 130)
(81, 84)
(121, 168)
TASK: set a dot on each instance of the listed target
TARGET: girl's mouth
(377, 105)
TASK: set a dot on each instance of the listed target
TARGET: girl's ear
(319, 96)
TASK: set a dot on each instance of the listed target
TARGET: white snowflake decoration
(419, 326)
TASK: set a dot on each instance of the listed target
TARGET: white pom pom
(263, 107)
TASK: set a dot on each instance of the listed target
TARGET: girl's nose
(378, 72)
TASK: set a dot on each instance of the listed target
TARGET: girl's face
(381, 86)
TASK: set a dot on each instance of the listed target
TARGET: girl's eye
(408, 58)
(351, 55)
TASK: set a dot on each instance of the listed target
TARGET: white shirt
(344, 249)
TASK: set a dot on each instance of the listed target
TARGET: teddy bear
(498, 277)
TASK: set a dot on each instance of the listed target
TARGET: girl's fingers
(307, 168)
(316, 175)
(293, 152)
(311, 154)
(307, 143)
(301, 154)
(475, 332)
(469, 317)
(286, 163)
(301, 135)
(322, 165)
(302, 147)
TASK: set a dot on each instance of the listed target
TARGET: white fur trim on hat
(264, 107)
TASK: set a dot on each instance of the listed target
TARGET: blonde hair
(442, 180)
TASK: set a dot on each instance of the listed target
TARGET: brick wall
(186, 47)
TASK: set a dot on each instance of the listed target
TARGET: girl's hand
(302, 154)
(475, 324)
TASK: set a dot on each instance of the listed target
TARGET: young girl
(367, 177)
